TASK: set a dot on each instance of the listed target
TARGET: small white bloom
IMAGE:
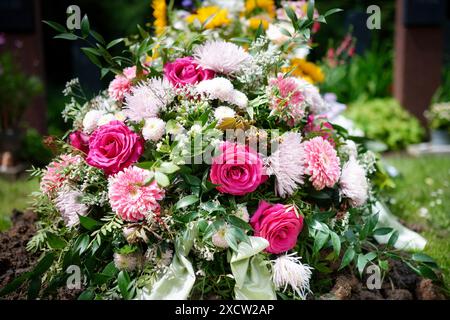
(154, 129)
(90, 121)
(222, 89)
(242, 213)
(316, 103)
(68, 202)
(223, 112)
(218, 239)
(128, 262)
(353, 183)
(350, 149)
(222, 57)
(287, 270)
(105, 119)
(196, 129)
(120, 116)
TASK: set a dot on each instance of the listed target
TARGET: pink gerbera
(122, 84)
(286, 99)
(130, 197)
(321, 163)
(54, 177)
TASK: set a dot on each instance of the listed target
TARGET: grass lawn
(422, 196)
(13, 195)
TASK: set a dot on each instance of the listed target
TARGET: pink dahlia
(122, 84)
(321, 163)
(286, 99)
(55, 176)
(130, 197)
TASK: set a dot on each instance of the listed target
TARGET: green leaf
(332, 11)
(55, 25)
(362, 262)
(291, 14)
(92, 57)
(34, 288)
(347, 258)
(94, 51)
(319, 241)
(44, 264)
(55, 242)
(422, 257)
(168, 167)
(237, 222)
(85, 27)
(382, 231)
(384, 265)
(311, 9)
(393, 239)
(123, 280)
(113, 43)
(192, 180)
(186, 201)
(15, 284)
(87, 295)
(66, 36)
(97, 36)
(81, 243)
(230, 238)
(162, 179)
(427, 272)
(336, 241)
(370, 256)
(88, 223)
(260, 31)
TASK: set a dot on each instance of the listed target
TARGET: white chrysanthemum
(128, 262)
(222, 89)
(287, 270)
(68, 202)
(147, 99)
(218, 238)
(287, 164)
(222, 57)
(353, 183)
(154, 129)
(105, 119)
(90, 121)
(312, 97)
(223, 112)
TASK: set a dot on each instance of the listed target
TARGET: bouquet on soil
(205, 170)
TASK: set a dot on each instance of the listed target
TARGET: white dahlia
(154, 129)
(221, 57)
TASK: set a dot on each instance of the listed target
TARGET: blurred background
(394, 82)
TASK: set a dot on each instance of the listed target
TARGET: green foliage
(17, 90)
(363, 77)
(387, 121)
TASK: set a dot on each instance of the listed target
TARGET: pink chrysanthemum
(130, 197)
(122, 84)
(286, 99)
(54, 177)
(321, 163)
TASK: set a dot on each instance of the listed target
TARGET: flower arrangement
(204, 173)
(439, 116)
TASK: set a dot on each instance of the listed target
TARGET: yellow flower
(160, 15)
(306, 70)
(215, 16)
(254, 22)
(267, 6)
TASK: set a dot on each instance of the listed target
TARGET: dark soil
(401, 284)
(15, 259)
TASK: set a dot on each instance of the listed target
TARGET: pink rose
(185, 71)
(278, 224)
(79, 140)
(113, 147)
(238, 170)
